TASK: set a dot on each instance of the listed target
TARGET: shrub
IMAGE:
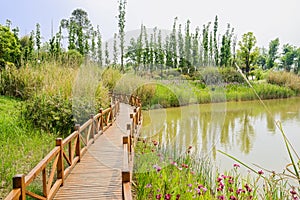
(50, 113)
(230, 75)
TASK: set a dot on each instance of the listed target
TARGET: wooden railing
(129, 142)
(55, 166)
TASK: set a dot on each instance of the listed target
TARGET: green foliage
(72, 58)
(230, 75)
(248, 52)
(9, 47)
(22, 147)
(50, 113)
(110, 78)
(21, 83)
(273, 53)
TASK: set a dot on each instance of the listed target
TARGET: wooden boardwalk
(98, 175)
(93, 162)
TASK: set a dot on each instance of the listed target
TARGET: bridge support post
(19, 182)
(93, 127)
(60, 163)
(77, 151)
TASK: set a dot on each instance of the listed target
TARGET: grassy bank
(158, 175)
(22, 147)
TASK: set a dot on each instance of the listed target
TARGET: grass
(21, 146)
(161, 176)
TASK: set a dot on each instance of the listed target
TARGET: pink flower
(232, 197)
(158, 196)
(260, 172)
(236, 165)
(167, 196)
(177, 196)
(148, 185)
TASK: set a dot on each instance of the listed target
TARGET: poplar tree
(107, 61)
(160, 56)
(115, 51)
(181, 48)
(99, 47)
(216, 49)
(121, 24)
(173, 44)
(93, 46)
(205, 42)
(38, 38)
(195, 48)
(187, 45)
(272, 53)
(210, 49)
(225, 53)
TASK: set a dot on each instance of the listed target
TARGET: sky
(267, 19)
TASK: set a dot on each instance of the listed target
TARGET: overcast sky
(268, 19)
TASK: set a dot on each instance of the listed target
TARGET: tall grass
(160, 175)
(22, 147)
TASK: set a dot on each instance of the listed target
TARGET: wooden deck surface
(98, 175)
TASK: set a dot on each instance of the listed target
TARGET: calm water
(245, 130)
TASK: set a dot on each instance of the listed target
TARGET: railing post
(78, 148)
(111, 116)
(101, 119)
(60, 163)
(93, 127)
(19, 182)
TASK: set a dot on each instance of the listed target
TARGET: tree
(99, 47)
(225, 53)
(205, 33)
(115, 51)
(195, 48)
(262, 58)
(9, 47)
(248, 52)
(121, 17)
(107, 61)
(272, 53)
(181, 48)
(187, 45)
(216, 49)
(173, 44)
(288, 57)
(38, 38)
(93, 45)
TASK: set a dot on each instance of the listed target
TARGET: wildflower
(232, 197)
(230, 189)
(174, 163)
(248, 188)
(190, 147)
(167, 196)
(239, 191)
(149, 185)
(155, 143)
(204, 189)
(219, 179)
(260, 172)
(236, 165)
(158, 196)
(198, 191)
(158, 168)
(293, 192)
(177, 196)
(221, 197)
(190, 185)
(230, 181)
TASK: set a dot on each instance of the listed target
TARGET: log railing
(58, 163)
(129, 142)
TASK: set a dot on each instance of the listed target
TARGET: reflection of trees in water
(246, 133)
(236, 127)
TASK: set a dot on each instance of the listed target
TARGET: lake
(246, 130)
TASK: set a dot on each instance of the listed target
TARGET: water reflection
(243, 129)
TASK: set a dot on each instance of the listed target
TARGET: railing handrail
(103, 119)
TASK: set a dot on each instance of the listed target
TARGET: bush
(50, 113)
(230, 75)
